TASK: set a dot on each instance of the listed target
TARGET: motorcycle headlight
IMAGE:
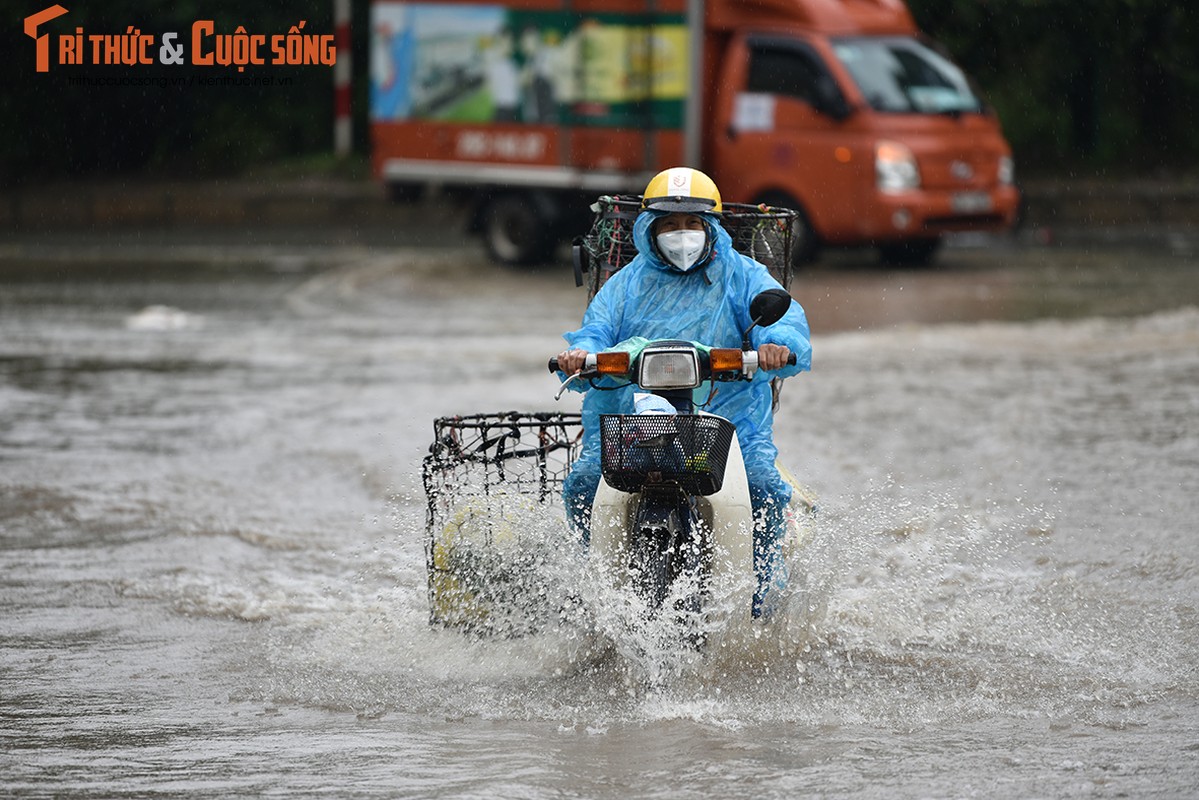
(669, 368)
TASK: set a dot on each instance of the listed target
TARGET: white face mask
(682, 248)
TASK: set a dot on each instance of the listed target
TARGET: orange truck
(839, 109)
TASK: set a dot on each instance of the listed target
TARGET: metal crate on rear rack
(761, 232)
(764, 233)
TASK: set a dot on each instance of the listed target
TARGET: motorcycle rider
(687, 282)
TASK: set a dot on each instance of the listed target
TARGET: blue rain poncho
(710, 305)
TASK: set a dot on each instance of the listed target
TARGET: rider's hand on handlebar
(772, 356)
(571, 361)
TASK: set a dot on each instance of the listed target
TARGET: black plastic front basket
(690, 450)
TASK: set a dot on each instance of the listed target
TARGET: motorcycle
(672, 518)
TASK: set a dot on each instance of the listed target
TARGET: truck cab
(849, 116)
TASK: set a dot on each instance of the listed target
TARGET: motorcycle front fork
(666, 544)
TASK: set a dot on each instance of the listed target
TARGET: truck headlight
(669, 368)
(895, 167)
(1007, 170)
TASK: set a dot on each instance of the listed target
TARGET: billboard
(491, 63)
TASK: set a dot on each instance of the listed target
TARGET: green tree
(1109, 85)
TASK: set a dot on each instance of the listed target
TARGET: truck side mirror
(829, 99)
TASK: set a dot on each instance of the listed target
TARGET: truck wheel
(805, 242)
(916, 253)
(515, 233)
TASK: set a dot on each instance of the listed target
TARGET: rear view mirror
(769, 307)
(766, 309)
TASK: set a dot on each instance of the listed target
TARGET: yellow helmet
(682, 189)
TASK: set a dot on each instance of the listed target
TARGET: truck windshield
(902, 75)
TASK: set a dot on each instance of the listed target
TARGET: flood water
(212, 532)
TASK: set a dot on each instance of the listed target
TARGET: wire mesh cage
(483, 476)
(690, 450)
(761, 232)
(510, 453)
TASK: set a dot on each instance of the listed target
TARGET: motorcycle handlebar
(553, 363)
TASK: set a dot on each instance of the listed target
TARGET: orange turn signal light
(612, 363)
(725, 359)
